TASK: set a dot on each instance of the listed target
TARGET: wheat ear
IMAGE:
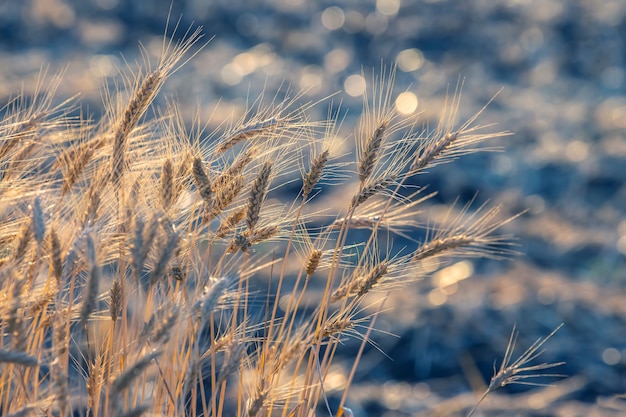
(257, 196)
(202, 180)
(370, 153)
(137, 106)
(517, 372)
(315, 173)
(370, 190)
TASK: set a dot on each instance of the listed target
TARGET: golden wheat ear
(448, 142)
(144, 90)
(518, 371)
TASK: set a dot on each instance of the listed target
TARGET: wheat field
(149, 267)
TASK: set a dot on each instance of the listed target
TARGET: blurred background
(561, 67)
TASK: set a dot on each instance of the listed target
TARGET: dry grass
(133, 254)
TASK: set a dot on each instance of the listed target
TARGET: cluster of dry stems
(130, 249)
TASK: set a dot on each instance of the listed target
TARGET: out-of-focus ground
(561, 65)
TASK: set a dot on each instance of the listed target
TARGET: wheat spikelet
(135, 109)
(373, 277)
(315, 173)
(116, 300)
(433, 151)
(202, 180)
(336, 325)
(258, 193)
(93, 203)
(56, 257)
(313, 262)
(59, 376)
(240, 242)
(262, 234)
(517, 372)
(371, 190)
(362, 284)
(469, 236)
(236, 168)
(369, 155)
(208, 302)
(74, 160)
(254, 405)
(225, 195)
(167, 187)
(95, 380)
(143, 95)
(228, 224)
(20, 163)
(447, 143)
(439, 246)
(250, 130)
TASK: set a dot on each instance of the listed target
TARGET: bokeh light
(406, 103)
(333, 18)
(354, 85)
(388, 7)
(410, 60)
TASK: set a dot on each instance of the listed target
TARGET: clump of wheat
(131, 250)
